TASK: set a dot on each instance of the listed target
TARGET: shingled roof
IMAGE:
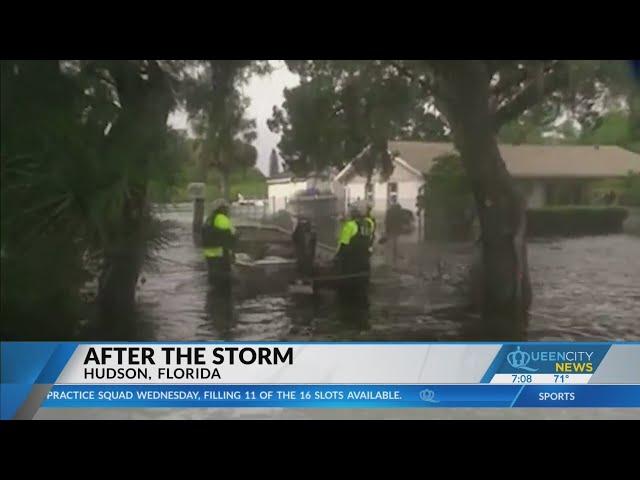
(535, 161)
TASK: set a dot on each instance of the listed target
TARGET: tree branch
(531, 95)
(407, 73)
(507, 82)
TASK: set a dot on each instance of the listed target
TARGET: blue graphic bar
(598, 396)
(342, 396)
(291, 396)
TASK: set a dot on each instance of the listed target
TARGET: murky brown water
(585, 289)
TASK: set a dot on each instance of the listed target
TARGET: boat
(265, 258)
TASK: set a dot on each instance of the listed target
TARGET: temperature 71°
(560, 378)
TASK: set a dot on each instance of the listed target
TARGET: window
(392, 193)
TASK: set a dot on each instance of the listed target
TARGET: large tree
(342, 106)
(217, 108)
(137, 135)
(79, 143)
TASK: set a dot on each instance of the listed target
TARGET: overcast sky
(264, 92)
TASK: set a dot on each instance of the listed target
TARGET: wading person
(218, 241)
(352, 258)
(304, 241)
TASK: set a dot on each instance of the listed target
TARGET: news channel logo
(562, 359)
(428, 396)
(520, 360)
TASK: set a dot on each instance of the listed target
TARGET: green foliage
(340, 107)
(79, 141)
(614, 129)
(217, 110)
(518, 132)
(250, 183)
(630, 191)
(447, 182)
(575, 220)
(46, 203)
(532, 124)
(447, 199)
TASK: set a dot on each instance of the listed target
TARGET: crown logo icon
(520, 360)
(427, 395)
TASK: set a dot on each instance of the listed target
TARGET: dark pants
(354, 286)
(304, 263)
(353, 298)
(219, 270)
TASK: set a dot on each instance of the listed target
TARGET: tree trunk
(123, 262)
(505, 284)
(136, 136)
(117, 287)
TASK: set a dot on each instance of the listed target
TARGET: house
(283, 187)
(542, 172)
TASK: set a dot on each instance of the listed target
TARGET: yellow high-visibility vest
(221, 222)
(349, 230)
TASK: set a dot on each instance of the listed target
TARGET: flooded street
(584, 289)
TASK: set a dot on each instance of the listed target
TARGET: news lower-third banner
(316, 375)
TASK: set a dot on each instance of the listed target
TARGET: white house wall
(353, 192)
(408, 187)
(408, 194)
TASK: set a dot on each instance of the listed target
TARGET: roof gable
(527, 161)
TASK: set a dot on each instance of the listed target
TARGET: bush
(448, 201)
(575, 220)
(630, 194)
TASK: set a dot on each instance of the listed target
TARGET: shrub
(447, 201)
(630, 194)
(575, 220)
(626, 190)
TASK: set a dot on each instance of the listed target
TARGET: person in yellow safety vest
(353, 246)
(352, 258)
(218, 240)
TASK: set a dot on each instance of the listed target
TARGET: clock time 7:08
(521, 378)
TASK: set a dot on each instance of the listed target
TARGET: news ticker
(317, 375)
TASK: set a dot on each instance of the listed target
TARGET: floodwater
(585, 289)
